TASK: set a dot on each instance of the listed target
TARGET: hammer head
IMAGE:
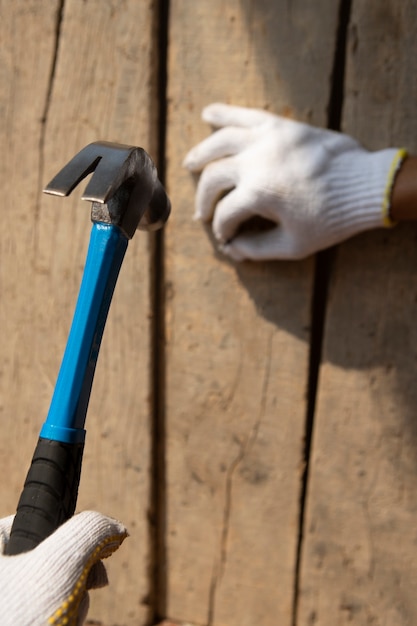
(124, 189)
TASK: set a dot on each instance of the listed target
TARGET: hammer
(125, 194)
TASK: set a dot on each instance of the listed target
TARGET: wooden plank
(26, 61)
(359, 559)
(237, 353)
(102, 89)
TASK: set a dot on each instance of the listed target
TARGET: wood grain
(237, 335)
(237, 353)
(102, 88)
(359, 557)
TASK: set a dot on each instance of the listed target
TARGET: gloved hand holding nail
(48, 585)
(316, 187)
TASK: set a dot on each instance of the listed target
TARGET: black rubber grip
(49, 494)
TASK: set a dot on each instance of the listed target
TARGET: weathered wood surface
(101, 89)
(237, 336)
(359, 558)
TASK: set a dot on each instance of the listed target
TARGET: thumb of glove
(262, 245)
(49, 584)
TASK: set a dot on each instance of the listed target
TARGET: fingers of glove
(88, 536)
(73, 550)
(216, 179)
(231, 211)
(266, 246)
(55, 575)
(73, 554)
(219, 114)
(223, 143)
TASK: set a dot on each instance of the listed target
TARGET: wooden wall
(245, 526)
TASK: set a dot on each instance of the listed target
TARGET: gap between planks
(158, 584)
(324, 263)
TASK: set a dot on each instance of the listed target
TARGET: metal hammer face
(124, 189)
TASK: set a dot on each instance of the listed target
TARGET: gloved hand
(316, 187)
(48, 585)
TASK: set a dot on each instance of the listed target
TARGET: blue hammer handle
(50, 492)
(66, 417)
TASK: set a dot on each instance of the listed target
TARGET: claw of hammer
(124, 188)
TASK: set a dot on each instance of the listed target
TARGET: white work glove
(316, 186)
(48, 585)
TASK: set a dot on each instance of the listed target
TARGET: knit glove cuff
(358, 191)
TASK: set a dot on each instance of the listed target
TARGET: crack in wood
(158, 504)
(44, 118)
(220, 566)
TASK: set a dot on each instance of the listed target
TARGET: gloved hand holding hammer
(315, 187)
(49, 585)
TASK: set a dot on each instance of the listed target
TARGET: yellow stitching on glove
(386, 204)
(67, 613)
